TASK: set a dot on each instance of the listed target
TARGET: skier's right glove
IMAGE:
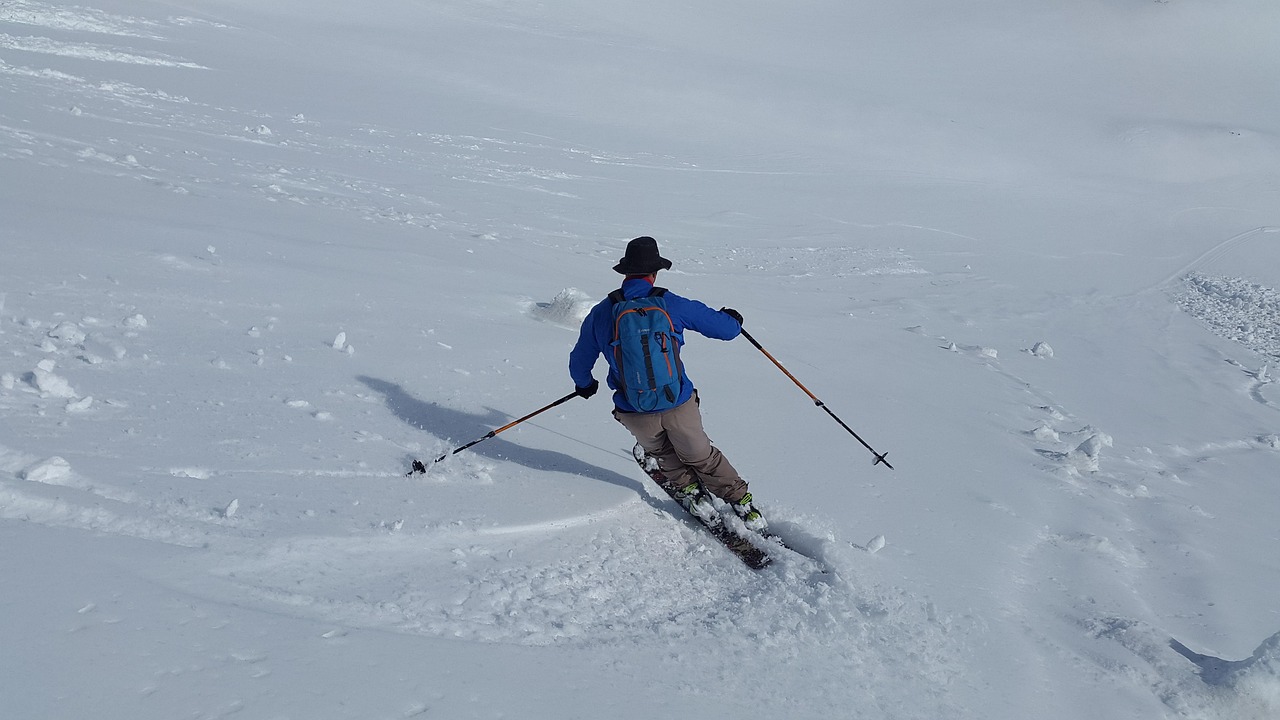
(588, 390)
(733, 314)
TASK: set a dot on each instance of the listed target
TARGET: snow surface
(256, 257)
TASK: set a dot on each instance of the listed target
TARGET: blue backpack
(646, 351)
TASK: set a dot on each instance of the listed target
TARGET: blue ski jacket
(596, 337)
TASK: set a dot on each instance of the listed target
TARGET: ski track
(641, 579)
(1094, 468)
(1211, 255)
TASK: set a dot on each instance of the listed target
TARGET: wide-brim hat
(642, 258)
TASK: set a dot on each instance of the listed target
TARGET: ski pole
(419, 468)
(880, 457)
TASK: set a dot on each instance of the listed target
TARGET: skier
(666, 424)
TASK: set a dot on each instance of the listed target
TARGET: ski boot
(697, 503)
(750, 514)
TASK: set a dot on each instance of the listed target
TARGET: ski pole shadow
(449, 423)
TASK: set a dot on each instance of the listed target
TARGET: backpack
(646, 351)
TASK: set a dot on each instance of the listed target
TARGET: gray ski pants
(684, 452)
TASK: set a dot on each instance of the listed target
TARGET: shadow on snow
(449, 423)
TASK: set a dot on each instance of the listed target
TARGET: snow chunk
(67, 332)
(81, 405)
(7, 381)
(340, 341)
(135, 321)
(1085, 456)
(48, 383)
(53, 471)
(195, 473)
(1041, 350)
(568, 308)
(1044, 433)
(230, 510)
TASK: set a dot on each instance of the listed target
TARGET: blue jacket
(597, 335)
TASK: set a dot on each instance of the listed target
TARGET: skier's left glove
(588, 390)
(733, 314)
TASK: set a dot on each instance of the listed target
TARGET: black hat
(642, 258)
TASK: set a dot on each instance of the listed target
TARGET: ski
(747, 545)
(740, 545)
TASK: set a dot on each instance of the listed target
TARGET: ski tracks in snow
(625, 576)
(1121, 483)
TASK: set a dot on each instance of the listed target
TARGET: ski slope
(255, 258)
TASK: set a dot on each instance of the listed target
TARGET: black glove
(733, 314)
(589, 390)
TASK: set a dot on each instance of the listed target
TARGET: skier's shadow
(448, 423)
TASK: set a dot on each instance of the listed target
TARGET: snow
(1027, 249)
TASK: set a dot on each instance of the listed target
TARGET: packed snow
(1028, 249)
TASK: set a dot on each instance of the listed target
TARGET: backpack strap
(616, 296)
